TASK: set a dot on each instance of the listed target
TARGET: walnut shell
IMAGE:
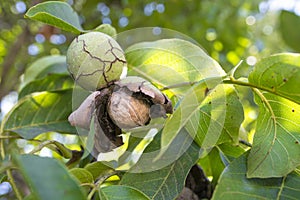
(135, 101)
(161, 104)
(127, 111)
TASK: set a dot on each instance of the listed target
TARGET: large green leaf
(280, 74)
(49, 83)
(166, 182)
(276, 143)
(55, 13)
(171, 61)
(290, 28)
(41, 112)
(119, 192)
(44, 66)
(48, 178)
(211, 119)
(233, 184)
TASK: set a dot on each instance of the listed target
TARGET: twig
(3, 137)
(13, 184)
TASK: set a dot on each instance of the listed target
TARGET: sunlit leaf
(171, 61)
(280, 74)
(98, 169)
(48, 178)
(163, 178)
(233, 184)
(230, 152)
(289, 28)
(212, 165)
(82, 175)
(218, 158)
(119, 192)
(41, 112)
(56, 13)
(44, 66)
(49, 83)
(276, 143)
(212, 115)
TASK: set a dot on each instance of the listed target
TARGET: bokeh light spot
(33, 49)
(156, 31)
(250, 20)
(20, 7)
(251, 60)
(123, 21)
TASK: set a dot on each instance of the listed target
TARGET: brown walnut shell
(135, 101)
(127, 110)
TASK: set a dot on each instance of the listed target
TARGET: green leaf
(98, 169)
(107, 29)
(163, 178)
(233, 184)
(58, 14)
(44, 66)
(82, 175)
(118, 192)
(41, 112)
(276, 143)
(48, 178)
(218, 158)
(211, 119)
(171, 61)
(230, 151)
(212, 165)
(49, 83)
(289, 28)
(279, 74)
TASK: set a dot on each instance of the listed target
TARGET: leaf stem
(99, 182)
(93, 191)
(2, 150)
(178, 85)
(266, 102)
(8, 170)
(232, 72)
(232, 80)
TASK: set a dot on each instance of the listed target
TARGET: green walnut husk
(95, 60)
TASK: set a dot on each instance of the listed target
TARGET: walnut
(128, 110)
(128, 103)
(95, 60)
